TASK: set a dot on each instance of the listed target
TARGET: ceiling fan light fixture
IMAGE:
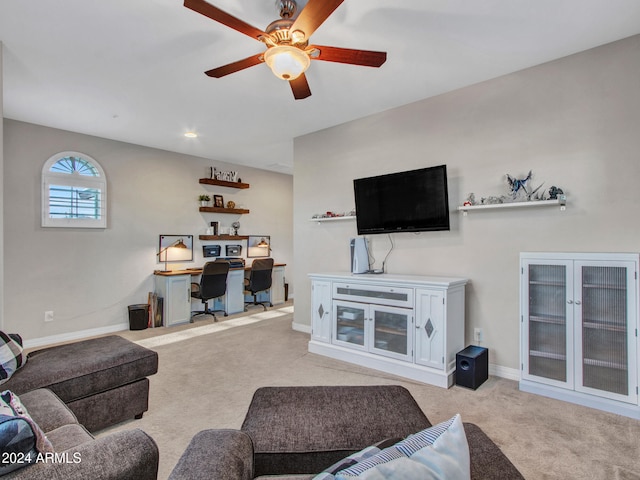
(287, 62)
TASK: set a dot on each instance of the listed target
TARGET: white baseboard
(67, 337)
(504, 372)
(300, 327)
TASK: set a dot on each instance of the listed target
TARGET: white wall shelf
(333, 219)
(561, 202)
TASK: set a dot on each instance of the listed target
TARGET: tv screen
(412, 201)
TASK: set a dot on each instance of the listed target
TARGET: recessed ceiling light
(191, 134)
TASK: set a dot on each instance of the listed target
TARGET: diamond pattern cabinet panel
(430, 328)
(321, 310)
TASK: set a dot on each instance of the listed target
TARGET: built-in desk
(175, 289)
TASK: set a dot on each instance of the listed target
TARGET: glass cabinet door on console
(392, 332)
(374, 328)
(350, 323)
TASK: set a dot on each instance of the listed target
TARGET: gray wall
(575, 122)
(89, 276)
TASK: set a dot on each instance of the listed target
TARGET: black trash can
(138, 316)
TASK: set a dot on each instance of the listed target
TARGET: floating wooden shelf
(223, 237)
(223, 183)
(238, 211)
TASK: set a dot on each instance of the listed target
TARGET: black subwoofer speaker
(472, 366)
(138, 316)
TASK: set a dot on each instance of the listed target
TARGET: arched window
(74, 192)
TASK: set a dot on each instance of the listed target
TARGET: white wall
(575, 122)
(89, 276)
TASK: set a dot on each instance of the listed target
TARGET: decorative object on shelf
(329, 214)
(230, 176)
(204, 200)
(258, 246)
(235, 226)
(176, 248)
(218, 201)
(554, 192)
(231, 204)
(471, 200)
(214, 228)
(516, 184)
(519, 192)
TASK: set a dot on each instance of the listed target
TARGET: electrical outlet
(48, 316)
(477, 334)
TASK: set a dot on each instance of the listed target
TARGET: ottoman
(102, 380)
(306, 429)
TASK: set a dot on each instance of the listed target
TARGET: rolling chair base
(206, 311)
(255, 302)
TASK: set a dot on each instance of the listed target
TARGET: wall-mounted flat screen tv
(412, 201)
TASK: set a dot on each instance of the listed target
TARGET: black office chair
(259, 281)
(213, 284)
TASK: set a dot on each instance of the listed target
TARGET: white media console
(407, 325)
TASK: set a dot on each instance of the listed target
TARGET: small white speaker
(359, 255)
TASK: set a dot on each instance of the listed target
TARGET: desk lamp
(177, 244)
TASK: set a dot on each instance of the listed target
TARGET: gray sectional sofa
(297, 432)
(69, 391)
(128, 455)
(102, 380)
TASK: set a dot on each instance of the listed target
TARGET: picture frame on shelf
(218, 201)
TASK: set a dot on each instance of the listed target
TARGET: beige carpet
(208, 373)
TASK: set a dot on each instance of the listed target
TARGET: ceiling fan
(288, 51)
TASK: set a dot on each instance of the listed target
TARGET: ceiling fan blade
(214, 13)
(313, 15)
(366, 58)
(300, 87)
(236, 66)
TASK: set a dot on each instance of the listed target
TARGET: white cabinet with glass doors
(406, 325)
(579, 327)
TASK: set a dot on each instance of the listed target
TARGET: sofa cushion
(68, 436)
(47, 410)
(437, 453)
(300, 429)
(11, 356)
(80, 369)
(20, 437)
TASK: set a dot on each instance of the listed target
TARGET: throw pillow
(11, 356)
(354, 458)
(20, 438)
(437, 453)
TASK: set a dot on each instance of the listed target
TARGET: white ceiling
(132, 70)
